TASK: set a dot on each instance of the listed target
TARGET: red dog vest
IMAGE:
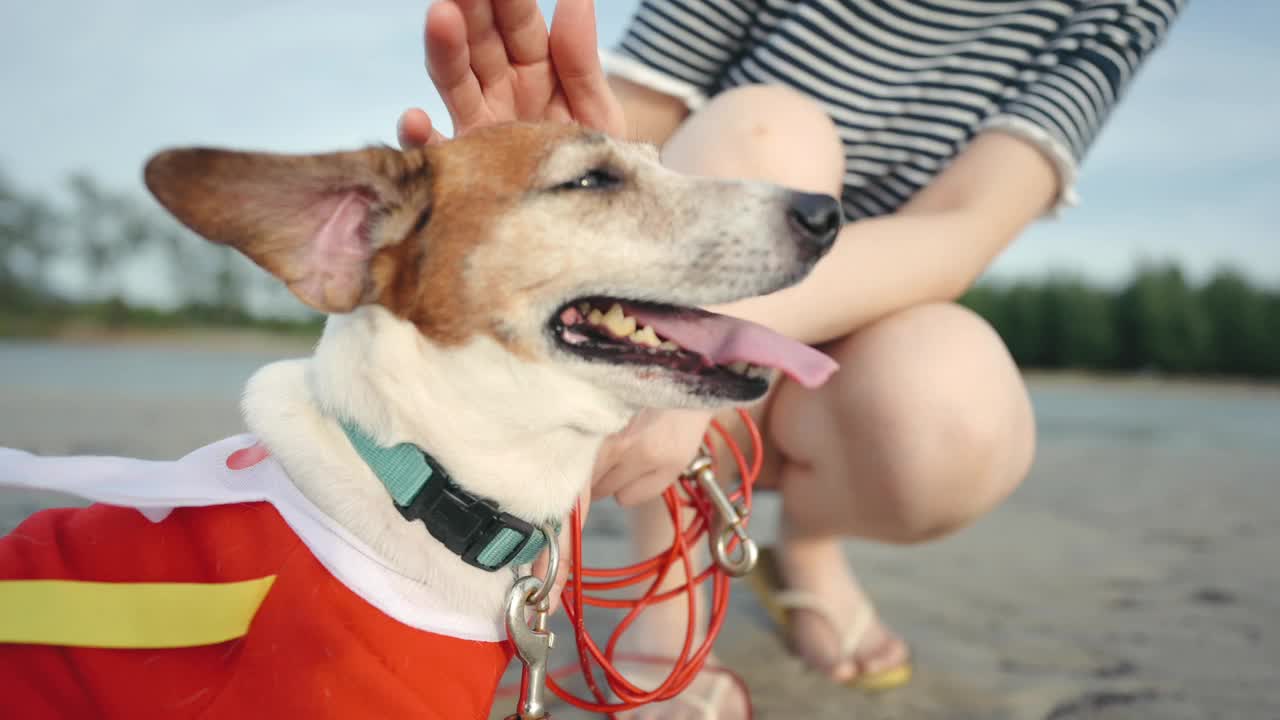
(336, 635)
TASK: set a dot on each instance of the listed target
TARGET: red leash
(583, 587)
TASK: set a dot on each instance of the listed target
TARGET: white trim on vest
(202, 479)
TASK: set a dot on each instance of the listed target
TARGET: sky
(1188, 169)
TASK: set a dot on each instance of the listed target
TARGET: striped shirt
(908, 82)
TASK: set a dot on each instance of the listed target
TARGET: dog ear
(310, 220)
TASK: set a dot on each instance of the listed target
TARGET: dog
(497, 306)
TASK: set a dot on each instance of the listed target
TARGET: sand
(1135, 575)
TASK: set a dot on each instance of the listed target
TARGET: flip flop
(707, 704)
(766, 582)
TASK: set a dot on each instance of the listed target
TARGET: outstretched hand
(636, 465)
(494, 61)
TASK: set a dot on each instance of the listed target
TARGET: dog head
(562, 245)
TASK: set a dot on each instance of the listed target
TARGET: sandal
(779, 603)
(707, 704)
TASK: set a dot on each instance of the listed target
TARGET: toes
(843, 671)
(890, 653)
(880, 651)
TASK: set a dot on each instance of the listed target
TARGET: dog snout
(816, 220)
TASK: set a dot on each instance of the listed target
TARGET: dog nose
(817, 218)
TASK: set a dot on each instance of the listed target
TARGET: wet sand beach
(1135, 575)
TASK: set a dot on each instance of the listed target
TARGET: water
(1088, 413)
(1157, 415)
(132, 370)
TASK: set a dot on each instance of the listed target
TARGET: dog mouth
(723, 355)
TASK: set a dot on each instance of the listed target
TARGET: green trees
(1243, 326)
(1157, 322)
(26, 245)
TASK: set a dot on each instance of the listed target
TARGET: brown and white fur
(441, 269)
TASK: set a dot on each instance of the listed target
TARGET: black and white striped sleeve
(1061, 103)
(681, 47)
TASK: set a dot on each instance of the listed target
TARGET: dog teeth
(623, 326)
(618, 322)
(746, 369)
(645, 336)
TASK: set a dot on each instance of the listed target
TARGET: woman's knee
(935, 420)
(761, 132)
(951, 416)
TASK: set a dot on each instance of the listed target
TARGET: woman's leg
(926, 426)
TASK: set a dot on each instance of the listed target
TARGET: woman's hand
(494, 61)
(640, 462)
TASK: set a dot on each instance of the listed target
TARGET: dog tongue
(724, 340)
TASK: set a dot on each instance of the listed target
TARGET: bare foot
(659, 633)
(713, 695)
(820, 569)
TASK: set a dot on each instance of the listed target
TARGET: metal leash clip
(729, 523)
(532, 640)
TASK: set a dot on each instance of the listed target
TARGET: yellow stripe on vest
(127, 615)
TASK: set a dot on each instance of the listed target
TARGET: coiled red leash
(733, 554)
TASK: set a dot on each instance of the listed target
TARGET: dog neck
(522, 434)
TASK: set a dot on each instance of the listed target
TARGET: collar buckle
(471, 527)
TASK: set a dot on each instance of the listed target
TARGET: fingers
(448, 57)
(523, 30)
(488, 54)
(415, 129)
(647, 486)
(576, 58)
(642, 476)
(449, 65)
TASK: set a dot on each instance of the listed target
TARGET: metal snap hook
(727, 525)
(533, 644)
(748, 552)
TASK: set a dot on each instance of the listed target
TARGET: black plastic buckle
(464, 523)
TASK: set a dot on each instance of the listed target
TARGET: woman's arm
(931, 250)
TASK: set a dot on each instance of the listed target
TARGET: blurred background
(1134, 575)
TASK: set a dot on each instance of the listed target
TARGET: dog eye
(593, 180)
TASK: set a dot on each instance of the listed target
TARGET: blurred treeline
(73, 263)
(1157, 322)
